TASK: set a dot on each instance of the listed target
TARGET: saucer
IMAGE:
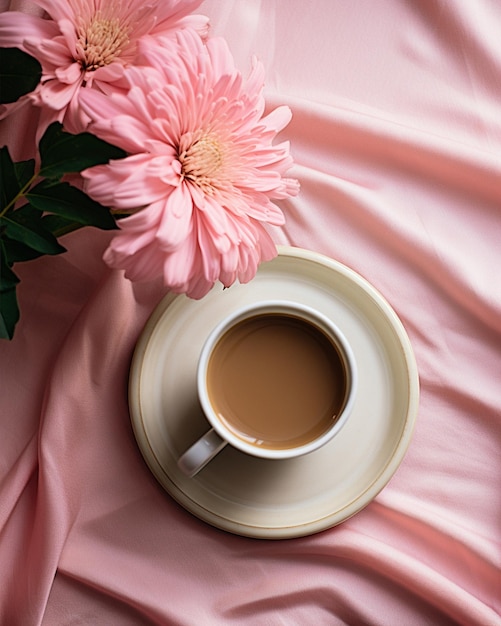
(263, 498)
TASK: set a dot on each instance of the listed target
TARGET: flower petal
(181, 264)
(16, 27)
(126, 183)
(69, 74)
(176, 222)
(51, 54)
(55, 95)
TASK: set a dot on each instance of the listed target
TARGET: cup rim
(305, 313)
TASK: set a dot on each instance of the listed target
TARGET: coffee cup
(276, 380)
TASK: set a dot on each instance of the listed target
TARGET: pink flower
(202, 166)
(88, 43)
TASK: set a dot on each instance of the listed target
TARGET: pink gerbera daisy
(88, 43)
(202, 166)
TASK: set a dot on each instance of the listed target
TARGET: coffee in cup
(275, 380)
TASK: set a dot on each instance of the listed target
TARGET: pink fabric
(397, 138)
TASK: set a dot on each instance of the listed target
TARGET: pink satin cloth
(396, 136)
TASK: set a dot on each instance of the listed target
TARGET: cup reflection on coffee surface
(276, 380)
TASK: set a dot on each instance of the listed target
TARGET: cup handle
(200, 453)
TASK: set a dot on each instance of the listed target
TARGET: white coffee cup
(276, 380)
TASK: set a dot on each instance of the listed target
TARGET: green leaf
(20, 73)
(9, 313)
(7, 277)
(25, 172)
(60, 226)
(63, 153)
(9, 187)
(71, 203)
(24, 226)
(15, 251)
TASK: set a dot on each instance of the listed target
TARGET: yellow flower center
(202, 162)
(100, 41)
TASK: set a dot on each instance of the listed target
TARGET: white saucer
(277, 499)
